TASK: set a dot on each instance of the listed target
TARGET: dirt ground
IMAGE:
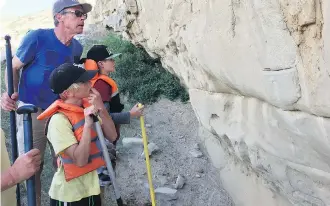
(173, 127)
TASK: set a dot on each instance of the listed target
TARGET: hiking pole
(107, 160)
(26, 110)
(146, 153)
(12, 113)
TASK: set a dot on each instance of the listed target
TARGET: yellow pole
(146, 153)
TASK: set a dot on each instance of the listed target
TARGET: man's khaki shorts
(38, 132)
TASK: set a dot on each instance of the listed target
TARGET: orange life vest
(92, 65)
(75, 114)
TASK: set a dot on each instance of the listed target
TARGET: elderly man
(40, 52)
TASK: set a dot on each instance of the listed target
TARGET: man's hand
(95, 99)
(136, 111)
(88, 112)
(7, 103)
(26, 165)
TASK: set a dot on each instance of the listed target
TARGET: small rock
(163, 180)
(146, 185)
(148, 125)
(200, 170)
(196, 153)
(196, 146)
(198, 176)
(181, 137)
(168, 193)
(130, 141)
(180, 181)
(152, 148)
(165, 173)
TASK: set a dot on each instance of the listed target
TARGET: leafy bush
(140, 77)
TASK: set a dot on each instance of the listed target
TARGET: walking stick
(146, 153)
(12, 113)
(26, 110)
(107, 160)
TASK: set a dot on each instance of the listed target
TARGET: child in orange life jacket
(101, 59)
(70, 131)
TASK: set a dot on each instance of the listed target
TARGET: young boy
(70, 131)
(101, 59)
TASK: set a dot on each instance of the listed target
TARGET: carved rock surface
(258, 77)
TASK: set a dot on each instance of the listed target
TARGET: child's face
(108, 65)
(84, 90)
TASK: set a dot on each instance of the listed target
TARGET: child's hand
(136, 111)
(95, 99)
(88, 112)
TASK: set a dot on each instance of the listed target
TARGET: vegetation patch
(139, 77)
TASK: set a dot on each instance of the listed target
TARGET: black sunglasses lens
(78, 13)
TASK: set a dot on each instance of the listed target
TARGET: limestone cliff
(257, 73)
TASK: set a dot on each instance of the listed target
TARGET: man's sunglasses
(78, 13)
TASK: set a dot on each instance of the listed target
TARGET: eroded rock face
(257, 73)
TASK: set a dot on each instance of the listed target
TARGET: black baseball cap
(100, 53)
(60, 5)
(66, 74)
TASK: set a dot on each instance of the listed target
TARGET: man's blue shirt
(42, 52)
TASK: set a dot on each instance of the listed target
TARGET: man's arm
(9, 103)
(23, 168)
(7, 180)
(25, 53)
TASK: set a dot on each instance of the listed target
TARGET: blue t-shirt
(42, 52)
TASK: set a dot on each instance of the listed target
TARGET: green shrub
(140, 77)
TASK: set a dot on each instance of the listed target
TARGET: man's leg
(39, 142)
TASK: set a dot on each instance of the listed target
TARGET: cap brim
(86, 7)
(82, 60)
(86, 76)
(114, 56)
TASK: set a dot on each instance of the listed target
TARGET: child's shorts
(94, 200)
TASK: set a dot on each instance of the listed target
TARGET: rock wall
(257, 73)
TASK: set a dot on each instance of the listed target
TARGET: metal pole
(26, 111)
(108, 160)
(28, 145)
(12, 113)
